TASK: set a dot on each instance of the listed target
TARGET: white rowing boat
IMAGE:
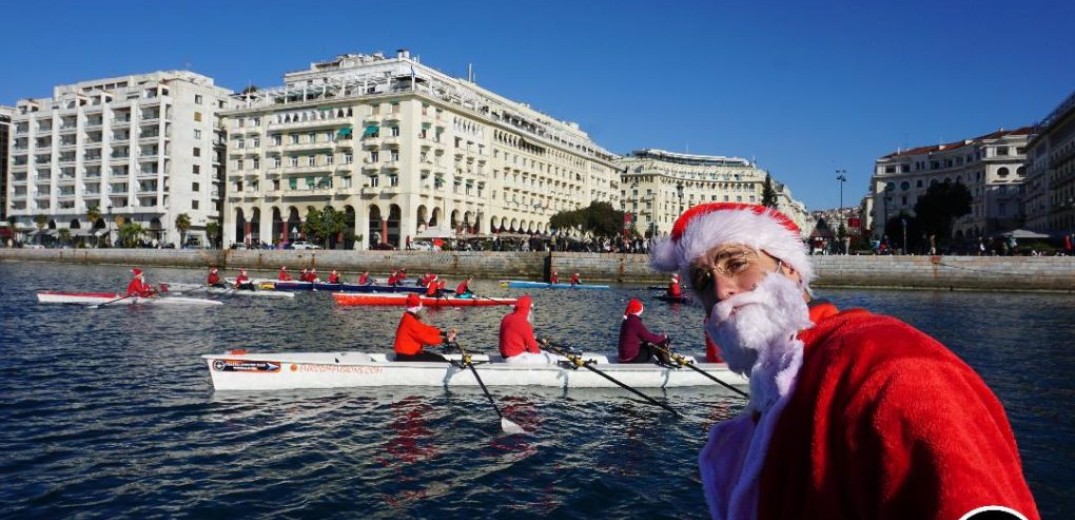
(240, 370)
(181, 288)
(117, 299)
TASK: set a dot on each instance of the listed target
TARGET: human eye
(700, 278)
(734, 264)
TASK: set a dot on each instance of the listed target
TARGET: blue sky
(804, 88)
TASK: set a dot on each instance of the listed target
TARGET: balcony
(319, 123)
(302, 147)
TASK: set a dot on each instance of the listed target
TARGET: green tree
(768, 194)
(93, 214)
(65, 236)
(212, 233)
(599, 219)
(324, 225)
(942, 204)
(130, 234)
(182, 223)
(42, 221)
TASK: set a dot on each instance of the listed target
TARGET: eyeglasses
(730, 263)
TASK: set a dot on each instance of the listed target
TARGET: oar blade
(510, 427)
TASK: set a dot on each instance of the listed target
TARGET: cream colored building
(402, 150)
(1050, 184)
(657, 186)
(137, 147)
(991, 166)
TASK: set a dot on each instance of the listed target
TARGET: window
(294, 138)
(293, 161)
(197, 116)
(395, 131)
(375, 156)
(918, 184)
(1002, 172)
(277, 140)
(274, 162)
(197, 152)
(374, 181)
(311, 160)
(195, 186)
(395, 155)
(905, 185)
(348, 158)
(393, 180)
(197, 134)
(197, 101)
(193, 204)
(329, 158)
(1002, 150)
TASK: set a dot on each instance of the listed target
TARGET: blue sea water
(110, 413)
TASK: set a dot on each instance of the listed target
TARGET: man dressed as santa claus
(851, 414)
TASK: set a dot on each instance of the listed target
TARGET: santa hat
(633, 307)
(283, 268)
(524, 303)
(706, 226)
(414, 302)
(136, 271)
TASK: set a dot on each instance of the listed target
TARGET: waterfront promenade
(1018, 273)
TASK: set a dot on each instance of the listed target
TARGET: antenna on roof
(470, 72)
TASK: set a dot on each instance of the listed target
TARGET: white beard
(755, 332)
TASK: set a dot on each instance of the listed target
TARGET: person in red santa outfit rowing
(636, 339)
(516, 337)
(851, 414)
(412, 336)
(139, 287)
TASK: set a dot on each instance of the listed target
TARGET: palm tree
(65, 236)
(130, 233)
(212, 230)
(182, 223)
(41, 221)
(93, 214)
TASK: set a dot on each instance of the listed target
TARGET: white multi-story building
(5, 132)
(1050, 182)
(138, 147)
(400, 149)
(990, 166)
(658, 186)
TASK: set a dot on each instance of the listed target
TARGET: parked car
(302, 245)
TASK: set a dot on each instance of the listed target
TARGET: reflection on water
(110, 412)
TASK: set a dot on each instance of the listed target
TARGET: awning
(370, 130)
(344, 132)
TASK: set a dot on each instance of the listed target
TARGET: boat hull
(346, 287)
(111, 298)
(522, 284)
(296, 370)
(399, 300)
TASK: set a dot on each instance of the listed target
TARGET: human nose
(724, 287)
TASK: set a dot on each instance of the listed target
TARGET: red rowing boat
(357, 299)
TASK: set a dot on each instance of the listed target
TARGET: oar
(505, 424)
(684, 362)
(576, 361)
(494, 300)
(99, 305)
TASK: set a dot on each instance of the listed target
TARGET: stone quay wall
(1014, 273)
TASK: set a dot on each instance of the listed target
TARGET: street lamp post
(842, 178)
(108, 223)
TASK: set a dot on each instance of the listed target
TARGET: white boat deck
(291, 370)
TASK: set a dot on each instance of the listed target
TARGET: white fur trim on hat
(762, 231)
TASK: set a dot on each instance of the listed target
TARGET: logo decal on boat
(235, 365)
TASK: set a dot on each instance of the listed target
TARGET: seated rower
(575, 280)
(138, 286)
(434, 287)
(312, 275)
(463, 289)
(634, 336)
(675, 290)
(554, 278)
(243, 282)
(412, 335)
(334, 277)
(517, 341)
(284, 276)
(364, 278)
(214, 278)
(304, 275)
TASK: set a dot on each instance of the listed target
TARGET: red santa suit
(880, 421)
(138, 286)
(516, 332)
(284, 276)
(334, 277)
(214, 277)
(411, 334)
(364, 279)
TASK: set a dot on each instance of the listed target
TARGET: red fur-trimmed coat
(885, 422)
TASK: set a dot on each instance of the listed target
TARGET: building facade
(657, 186)
(132, 149)
(1050, 184)
(402, 150)
(5, 133)
(990, 166)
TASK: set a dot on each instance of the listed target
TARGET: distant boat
(523, 284)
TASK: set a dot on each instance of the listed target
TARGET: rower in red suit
(412, 335)
(284, 276)
(303, 275)
(675, 291)
(334, 277)
(364, 278)
(214, 278)
(393, 279)
(243, 281)
(575, 280)
(138, 286)
(312, 275)
(463, 289)
(554, 278)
